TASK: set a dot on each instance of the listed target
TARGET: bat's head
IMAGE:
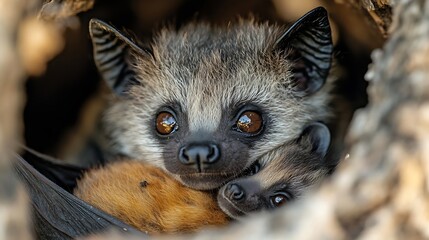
(282, 175)
(204, 103)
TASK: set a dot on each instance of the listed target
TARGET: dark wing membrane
(59, 214)
(63, 174)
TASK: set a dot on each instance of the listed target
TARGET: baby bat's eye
(254, 169)
(249, 122)
(166, 123)
(279, 199)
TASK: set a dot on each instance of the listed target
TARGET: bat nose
(234, 192)
(199, 154)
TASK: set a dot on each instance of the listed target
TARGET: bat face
(205, 103)
(204, 159)
(283, 175)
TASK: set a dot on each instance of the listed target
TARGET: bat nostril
(201, 154)
(214, 153)
(234, 192)
(184, 157)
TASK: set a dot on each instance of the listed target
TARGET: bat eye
(249, 122)
(166, 123)
(254, 169)
(279, 199)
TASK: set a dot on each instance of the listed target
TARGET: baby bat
(279, 176)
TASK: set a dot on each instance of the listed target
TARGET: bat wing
(62, 174)
(59, 214)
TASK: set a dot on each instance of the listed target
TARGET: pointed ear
(317, 137)
(308, 44)
(112, 50)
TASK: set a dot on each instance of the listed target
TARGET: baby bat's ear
(112, 51)
(317, 137)
(308, 45)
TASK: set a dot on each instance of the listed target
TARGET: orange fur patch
(147, 198)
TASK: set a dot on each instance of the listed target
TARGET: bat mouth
(205, 181)
(229, 207)
(210, 180)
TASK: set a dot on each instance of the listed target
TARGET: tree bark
(379, 12)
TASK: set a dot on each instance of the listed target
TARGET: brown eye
(249, 122)
(278, 200)
(166, 123)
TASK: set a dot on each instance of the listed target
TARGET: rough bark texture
(60, 9)
(378, 12)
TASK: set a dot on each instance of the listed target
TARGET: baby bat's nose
(199, 154)
(234, 192)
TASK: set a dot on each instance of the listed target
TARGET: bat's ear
(112, 52)
(317, 138)
(308, 45)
